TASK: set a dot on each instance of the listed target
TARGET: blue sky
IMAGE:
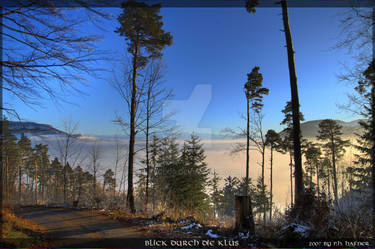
(218, 47)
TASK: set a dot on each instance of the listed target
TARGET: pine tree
(330, 131)
(25, 150)
(254, 94)
(273, 139)
(230, 190)
(43, 164)
(312, 166)
(366, 145)
(108, 181)
(261, 201)
(142, 27)
(195, 174)
(57, 177)
(79, 181)
(287, 141)
(250, 7)
(10, 155)
(216, 195)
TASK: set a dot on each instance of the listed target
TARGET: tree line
(31, 177)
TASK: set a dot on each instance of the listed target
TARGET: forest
(157, 176)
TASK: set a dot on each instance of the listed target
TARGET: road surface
(74, 228)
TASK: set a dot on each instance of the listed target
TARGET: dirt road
(74, 228)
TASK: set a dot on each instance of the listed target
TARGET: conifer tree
(216, 194)
(10, 155)
(287, 141)
(254, 94)
(25, 150)
(313, 162)
(330, 131)
(273, 139)
(195, 173)
(230, 190)
(143, 29)
(296, 131)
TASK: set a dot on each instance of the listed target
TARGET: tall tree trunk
(130, 196)
(271, 183)
(334, 170)
(19, 181)
(246, 191)
(317, 178)
(263, 187)
(147, 144)
(299, 189)
(373, 144)
(291, 178)
(329, 185)
(372, 112)
(6, 181)
(251, 218)
(36, 182)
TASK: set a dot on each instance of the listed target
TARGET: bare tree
(95, 154)
(155, 122)
(69, 150)
(44, 52)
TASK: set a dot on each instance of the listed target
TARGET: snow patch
(212, 235)
(197, 226)
(243, 235)
(303, 231)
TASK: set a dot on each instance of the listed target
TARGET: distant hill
(33, 129)
(310, 129)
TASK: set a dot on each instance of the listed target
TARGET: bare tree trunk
(130, 196)
(299, 189)
(36, 182)
(291, 178)
(246, 191)
(329, 185)
(373, 146)
(19, 181)
(372, 111)
(271, 184)
(317, 179)
(147, 144)
(263, 186)
(6, 181)
(334, 170)
(250, 211)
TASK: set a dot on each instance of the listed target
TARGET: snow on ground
(243, 235)
(303, 231)
(197, 226)
(212, 235)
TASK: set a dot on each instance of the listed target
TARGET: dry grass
(19, 232)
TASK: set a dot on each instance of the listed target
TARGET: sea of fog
(218, 158)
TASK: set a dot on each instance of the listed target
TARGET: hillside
(34, 129)
(310, 129)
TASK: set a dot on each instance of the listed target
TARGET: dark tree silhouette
(254, 94)
(287, 143)
(143, 29)
(330, 131)
(299, 188)
(44, 52)
(273, 139)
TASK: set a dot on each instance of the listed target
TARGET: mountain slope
(310, 129)
(34, 129)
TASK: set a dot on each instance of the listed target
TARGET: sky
(213, 50)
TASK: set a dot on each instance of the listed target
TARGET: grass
(19, 232)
